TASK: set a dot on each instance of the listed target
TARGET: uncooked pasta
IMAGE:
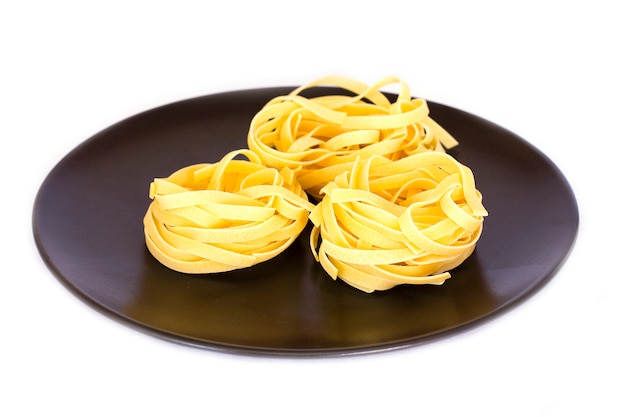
(228, 215)
(322, 136)
(386, 223)
(392, 207)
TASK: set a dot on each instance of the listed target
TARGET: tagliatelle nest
(392, 207)
(321, 137)
(387, 222)
(229, 215)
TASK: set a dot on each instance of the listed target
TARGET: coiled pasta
(386, 222)
(228, 215)
(321, 137)
(392, 207)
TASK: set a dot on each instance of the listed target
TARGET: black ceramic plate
(87, 223)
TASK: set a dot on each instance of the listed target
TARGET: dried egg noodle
(386, 222)
(321, 137)
(393, 207)
(229, 215)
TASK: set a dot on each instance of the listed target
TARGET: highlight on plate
(391, 206)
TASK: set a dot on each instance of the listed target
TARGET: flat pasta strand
(318, 136)
(392, 207)
(233, 214)
(429, 226)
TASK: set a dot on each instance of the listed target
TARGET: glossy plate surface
(87, 223)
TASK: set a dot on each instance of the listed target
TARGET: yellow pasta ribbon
(232, 214)
(321, 137)
(393, 208)
(386, 223)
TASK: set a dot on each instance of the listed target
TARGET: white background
(552, 72)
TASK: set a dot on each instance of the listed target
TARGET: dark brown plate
(87, 223)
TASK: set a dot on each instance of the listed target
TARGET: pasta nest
(321, 137)
(386, 223)
(228, 215)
